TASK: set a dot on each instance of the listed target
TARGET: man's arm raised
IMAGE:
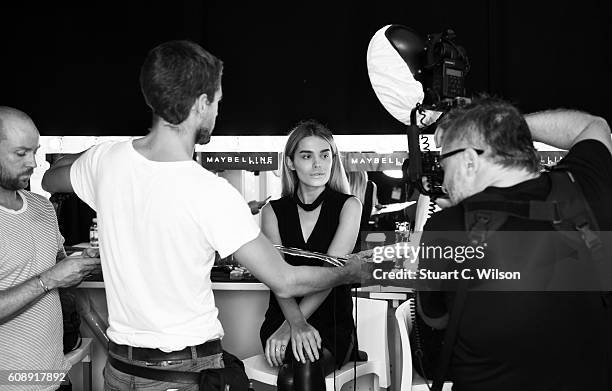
(565, 128)
(57, 178)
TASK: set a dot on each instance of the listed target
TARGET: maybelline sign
(251, 161)
(353, 161)
(372, 161)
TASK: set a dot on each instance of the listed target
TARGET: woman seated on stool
(315, 213)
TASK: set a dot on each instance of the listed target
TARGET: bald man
(32, 262)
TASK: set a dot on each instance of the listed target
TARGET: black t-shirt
(532, 340)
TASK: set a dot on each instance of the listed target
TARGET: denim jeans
(115, 380)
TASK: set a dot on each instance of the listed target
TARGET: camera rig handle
(415, 162)
(422, 164)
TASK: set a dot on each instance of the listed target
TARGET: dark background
(74, 69)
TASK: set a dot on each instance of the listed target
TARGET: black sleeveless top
(366, 212)
(334, 317)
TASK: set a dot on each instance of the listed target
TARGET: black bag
(71, 319)
(233, 375)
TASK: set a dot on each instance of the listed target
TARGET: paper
(390, 208)
(336, 261)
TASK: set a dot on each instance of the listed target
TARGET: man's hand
(91, 252)
(443, 202)
(257, 205)
(361, 266)
(277, 344)
(305, 338)
(70, 271)
(438, 137)
(67, 272)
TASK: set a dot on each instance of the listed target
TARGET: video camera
(400, 63)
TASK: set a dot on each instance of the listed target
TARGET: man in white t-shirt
(162, 217)
(30, 244)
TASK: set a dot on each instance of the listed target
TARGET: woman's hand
(305, 338)
(277, 344)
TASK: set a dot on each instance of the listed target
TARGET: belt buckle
(163, 363)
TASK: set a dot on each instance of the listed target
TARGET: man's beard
(204, 134)
(14, 183)
(459, 190)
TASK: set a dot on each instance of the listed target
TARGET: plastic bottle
(93, 233)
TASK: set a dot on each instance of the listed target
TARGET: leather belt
(208, 348)
(155, 374)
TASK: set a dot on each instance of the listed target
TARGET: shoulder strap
(450, 336)
(565, 208)
(484, 215)
(577, 221)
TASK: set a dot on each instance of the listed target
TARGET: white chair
(83, 355)
(372, 337)
(411, 380)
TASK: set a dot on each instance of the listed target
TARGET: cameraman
(522, 340)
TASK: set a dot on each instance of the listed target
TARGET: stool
(372, 375)
(83, 355)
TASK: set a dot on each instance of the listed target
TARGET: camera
(444, 68)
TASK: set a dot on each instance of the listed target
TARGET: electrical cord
(354, 340)
(426, 147)
(355, 350)
(335, 335)
(421, 110)
(432, 208)
(417, 337)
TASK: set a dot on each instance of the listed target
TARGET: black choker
(315, 204)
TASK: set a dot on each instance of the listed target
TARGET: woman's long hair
(337, 179)
(358, 181)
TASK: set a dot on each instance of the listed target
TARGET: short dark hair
(174, 75)
(498, 125)
(448, 118)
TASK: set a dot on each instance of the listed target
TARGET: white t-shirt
(159, 226)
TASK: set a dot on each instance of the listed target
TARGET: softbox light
(391, 50)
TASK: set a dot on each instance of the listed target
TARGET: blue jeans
(115, 380)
